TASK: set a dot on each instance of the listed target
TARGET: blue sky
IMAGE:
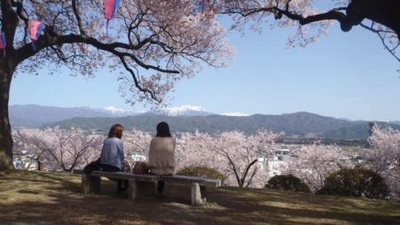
(343, 75)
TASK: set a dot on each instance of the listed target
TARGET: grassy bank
(39, 198)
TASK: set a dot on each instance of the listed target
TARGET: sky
(344, 75)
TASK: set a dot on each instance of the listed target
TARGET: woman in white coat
(162, 154)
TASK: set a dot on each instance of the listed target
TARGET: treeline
(297, 126)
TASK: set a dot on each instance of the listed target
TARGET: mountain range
(299, 125)
(37, 115)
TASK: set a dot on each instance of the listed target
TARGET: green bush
(202, 171)
(355, 182)
(287, 183)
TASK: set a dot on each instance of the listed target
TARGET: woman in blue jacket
(112, 154)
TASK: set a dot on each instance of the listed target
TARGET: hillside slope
(295, 125)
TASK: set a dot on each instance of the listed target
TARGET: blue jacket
(112, 152)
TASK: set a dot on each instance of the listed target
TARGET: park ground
(44, 198)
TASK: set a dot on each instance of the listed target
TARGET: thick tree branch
(19, 7)
(384, 12)
(9, 22)
(121, 50)
(78, 17)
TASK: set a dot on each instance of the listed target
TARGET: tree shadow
(55, 198)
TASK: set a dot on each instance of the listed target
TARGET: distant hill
(298, 125)
(36, 115)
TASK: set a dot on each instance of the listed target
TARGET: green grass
(40, 198)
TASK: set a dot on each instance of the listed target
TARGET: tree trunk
(6, 141)
(8, 64)
(39, 164)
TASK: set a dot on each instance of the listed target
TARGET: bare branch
(381, 33)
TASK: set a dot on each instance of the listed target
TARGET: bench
(137, 183)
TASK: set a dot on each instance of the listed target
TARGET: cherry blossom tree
(56, 148)
(313, 18)
(239, 156)
(313, 163)
(25, 140)
(72, 147)
(195, 150)
(149, 46)
(383, 156)
(232, 153)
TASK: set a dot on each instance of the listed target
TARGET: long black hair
(163, 130)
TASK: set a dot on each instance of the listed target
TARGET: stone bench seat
(137, 183)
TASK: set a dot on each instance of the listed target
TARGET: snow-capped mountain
(185, 110)
(37, 115)
(115, 111)
(235, 114)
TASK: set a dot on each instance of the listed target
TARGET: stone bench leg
(198, 194)
(137, 189)
(90, 184)
(132, 190)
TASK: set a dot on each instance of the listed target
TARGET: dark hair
(163, 130)
(116, 131)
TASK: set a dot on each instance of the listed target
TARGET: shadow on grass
(281, 207)
(35, 198)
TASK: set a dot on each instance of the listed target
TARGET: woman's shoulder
(113, 140)
(163, 139)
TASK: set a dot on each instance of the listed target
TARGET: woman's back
(112, 152)
(162, 156)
